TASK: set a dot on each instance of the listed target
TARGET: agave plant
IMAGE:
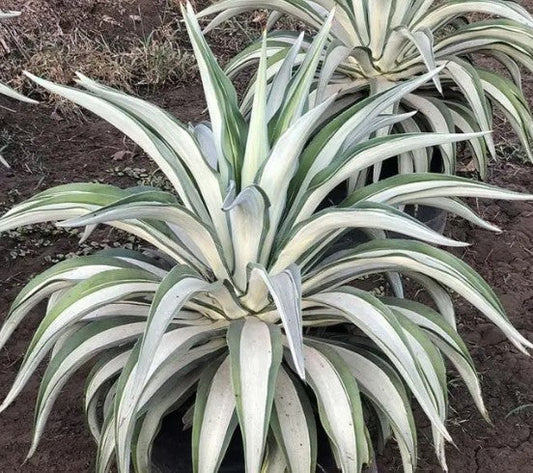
(240, 304)
(374, 45)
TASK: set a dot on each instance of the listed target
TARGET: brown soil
(47, 149)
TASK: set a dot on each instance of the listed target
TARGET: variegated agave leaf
(374, 45)
(230, 304)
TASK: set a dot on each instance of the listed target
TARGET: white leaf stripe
(228, 123)
(181, 360)
(248, 216)
(362, 156)
(178, 139)
(107, 368)
(439, 265)
(9, 92)
(286, 291)
(75, 200)
(215, 418)
(257, 146)
(204, 238)
(293, 424)
(255, 354)
(446, 339)
(153, 146)
(147, 374)
(309, 233)
(61, 276)
(387, 393)
(339, 405)
(400, 40)
(174, 358)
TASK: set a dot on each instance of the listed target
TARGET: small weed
(508, 146)
(29, 240)
(518, 409)
(143, 177)
(159, 60)
(15, 150)
(511, 150)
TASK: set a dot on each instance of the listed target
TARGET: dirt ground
(48, 146)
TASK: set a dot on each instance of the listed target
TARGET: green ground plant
(239, 303)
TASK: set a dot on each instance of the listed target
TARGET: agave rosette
(376, 44)
(230, 305)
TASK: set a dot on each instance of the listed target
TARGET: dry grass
(131, 61)
(153, 61)
(128, 48)
(129, 44)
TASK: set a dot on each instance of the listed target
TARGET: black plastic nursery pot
(432, 217)
(172, 450)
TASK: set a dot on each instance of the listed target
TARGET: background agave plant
(376, 44)
(4, 89)
(231, 304)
